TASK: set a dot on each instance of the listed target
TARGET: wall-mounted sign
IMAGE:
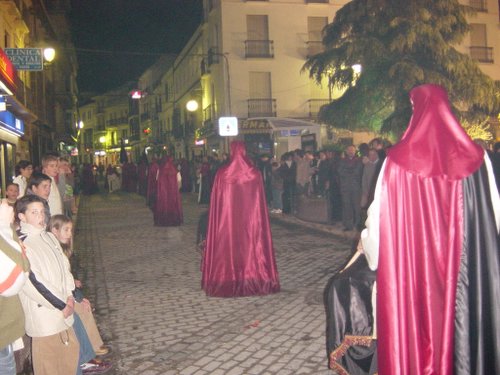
(7, 75)
(11, 123)
(26, 58)
(228, 126)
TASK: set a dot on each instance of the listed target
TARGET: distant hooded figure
(432, 235)
(168, 205)
(142, 175)
(239, 256)
(152, 177)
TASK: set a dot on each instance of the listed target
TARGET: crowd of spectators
(46, 323)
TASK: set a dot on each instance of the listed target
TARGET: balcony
(117, 121)
(315, 106)
(207, 113)
(314, 47)
(482, 54)
(479, 5)
(261, 108)
(259, 48)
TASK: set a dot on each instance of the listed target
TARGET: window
(479, 49)
(260, 102)
(479, 5)
(315, 26)
(258, 43)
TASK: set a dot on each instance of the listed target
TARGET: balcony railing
(315, 106)
(479, 5)
(318, 1)
(261, 108)
(482, 54)
(259, 48)
(314, 47)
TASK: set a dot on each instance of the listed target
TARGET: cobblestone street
(145, 284)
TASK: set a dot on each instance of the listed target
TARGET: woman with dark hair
(24, 169)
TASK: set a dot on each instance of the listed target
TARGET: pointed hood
(435, 143)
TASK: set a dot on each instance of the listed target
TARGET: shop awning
(282, 125)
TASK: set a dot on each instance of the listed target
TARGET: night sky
(116, 40)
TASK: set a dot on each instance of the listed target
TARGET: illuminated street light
(136, 94)
(357, 68)
(192, 105)
(102, 139)
(80, 124)
(49, 54)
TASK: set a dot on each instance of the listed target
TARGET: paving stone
(145, 284)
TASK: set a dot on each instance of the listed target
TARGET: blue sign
(11, 123)
(25, 58)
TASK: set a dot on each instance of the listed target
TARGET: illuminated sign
(7, 74)
(26, 58)
(228, 126)
(11, 123)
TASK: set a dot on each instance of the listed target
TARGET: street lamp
(49, 54)
(192, 105)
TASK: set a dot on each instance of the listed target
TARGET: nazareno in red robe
(239, 256)
(168, 206)
(438, 278)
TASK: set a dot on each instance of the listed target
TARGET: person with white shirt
(50, 167)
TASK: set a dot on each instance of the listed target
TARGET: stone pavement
(145, 284)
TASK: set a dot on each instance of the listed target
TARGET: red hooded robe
(438, 283)
(239, 255)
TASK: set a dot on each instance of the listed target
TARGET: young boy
(50, 167)
(12, 193)
(46, 297)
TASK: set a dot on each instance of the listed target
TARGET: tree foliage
(400, 44)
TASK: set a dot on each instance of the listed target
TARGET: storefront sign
(11, 123)
(7, 75)
(26, 58)
(256, 126)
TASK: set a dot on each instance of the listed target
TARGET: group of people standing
(345, 180)
(40, 296)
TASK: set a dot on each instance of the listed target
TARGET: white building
(245, 60)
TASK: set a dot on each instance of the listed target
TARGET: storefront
(11, 127)
(275, 135)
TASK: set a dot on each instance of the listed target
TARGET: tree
(400, 44)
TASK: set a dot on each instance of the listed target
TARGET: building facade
(246, 60)
(39, 104)
(105, 128)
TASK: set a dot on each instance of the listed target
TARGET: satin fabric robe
(239, 255)
(168, 206)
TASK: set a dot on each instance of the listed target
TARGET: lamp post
(192, 106)
(49, 55)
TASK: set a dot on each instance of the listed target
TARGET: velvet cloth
(168, 206)
(239, 256)
(422, 240)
